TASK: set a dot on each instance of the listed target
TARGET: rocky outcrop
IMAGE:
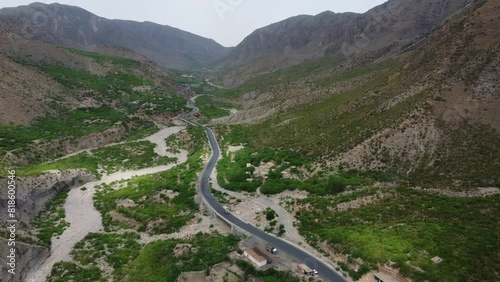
(27, 257)
(33, 192)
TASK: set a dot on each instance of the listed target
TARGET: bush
(68, 271)
(270, 214)
(410, 226)
(50, 221)
(156, 262)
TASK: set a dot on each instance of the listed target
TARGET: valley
(169, 157)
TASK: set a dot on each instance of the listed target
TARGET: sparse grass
(129, 156)
(156, 261)
(220, 196)
(173, 143)
(148, 130)
(50, 221)
(283, 76)
(470, 155)
(232, 135)
(334, 125)
(357, 72)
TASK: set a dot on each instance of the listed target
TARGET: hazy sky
(226, 21)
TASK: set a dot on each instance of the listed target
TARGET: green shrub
(50, 221)
(69, 271)
(409, 226)
(270, 275)
(156, 261)
(116, 249)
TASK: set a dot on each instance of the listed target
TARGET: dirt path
(84, 218)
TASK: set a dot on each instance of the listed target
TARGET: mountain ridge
(75, 27)
(297, 39)
(427, 114)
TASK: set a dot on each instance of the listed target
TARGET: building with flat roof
(254, 257)
(386, 275)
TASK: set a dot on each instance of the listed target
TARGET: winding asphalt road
(326, 272)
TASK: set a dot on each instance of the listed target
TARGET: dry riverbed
(81, 213)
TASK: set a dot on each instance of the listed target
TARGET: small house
(255, 258)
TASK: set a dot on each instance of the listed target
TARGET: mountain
(56, 100)
(77, 28)
(389, 27)
(429, 115)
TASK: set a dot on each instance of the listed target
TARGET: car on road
(270, 248)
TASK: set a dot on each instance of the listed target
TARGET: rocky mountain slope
(389, 27)
(429, 115)
(57, 100)
(75, 27)
(26, 92)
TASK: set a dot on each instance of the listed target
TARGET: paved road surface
(324, 271)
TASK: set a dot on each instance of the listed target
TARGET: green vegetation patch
(211, 108)
(50, 221)
(68, 271)
(153, 211)
(82, 160)
(157, 262)
(234, 173)
(102, 58)
(233, 135)
(410, 228)
(109, 84)
(196, 141)
(357, 72)
(270, 275)
(129, 156)
(116, 249)
(118, 88)
(77, 123)
(324, 185)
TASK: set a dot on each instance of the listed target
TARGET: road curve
(326, 272)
